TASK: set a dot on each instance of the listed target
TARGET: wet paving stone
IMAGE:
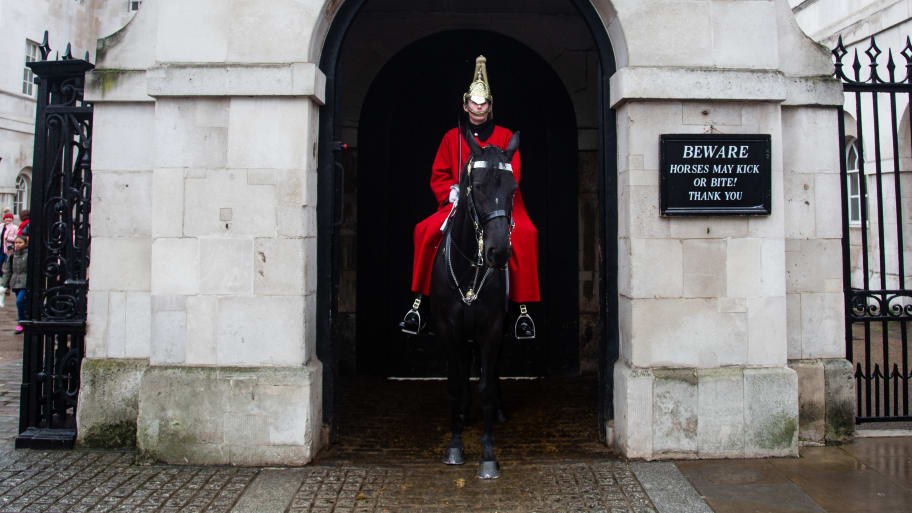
(96, 481)
(523, 487)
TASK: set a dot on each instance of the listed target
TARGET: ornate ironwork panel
(878, 306)
(58, 253)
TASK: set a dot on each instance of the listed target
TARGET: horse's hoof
(489, 470)
(454, 456)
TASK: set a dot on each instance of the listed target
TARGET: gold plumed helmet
(479, 90)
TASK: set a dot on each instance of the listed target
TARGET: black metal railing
(58, 253)
(878, 307)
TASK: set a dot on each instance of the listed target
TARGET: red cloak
(444, 173)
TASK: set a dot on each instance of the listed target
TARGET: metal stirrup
(523, 313)
(415, 309)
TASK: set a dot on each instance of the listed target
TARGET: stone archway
(601, 137)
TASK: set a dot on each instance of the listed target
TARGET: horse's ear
(474, 147)
(512, 146)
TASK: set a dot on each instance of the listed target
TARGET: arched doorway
(603, 142)
(405, 113)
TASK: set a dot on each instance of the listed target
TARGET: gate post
(58, 254)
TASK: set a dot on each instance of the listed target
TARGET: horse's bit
(469, 296)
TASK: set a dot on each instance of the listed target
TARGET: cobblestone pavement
(565, 487)
(96, 481)
(105, 481)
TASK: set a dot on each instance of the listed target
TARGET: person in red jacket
(452, 155)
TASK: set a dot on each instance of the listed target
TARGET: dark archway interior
(365, 36)
(411, 103)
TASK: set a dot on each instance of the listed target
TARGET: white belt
(504, 166)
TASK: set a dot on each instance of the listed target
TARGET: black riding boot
(524, 328)
(412, 323)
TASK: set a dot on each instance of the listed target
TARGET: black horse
(469, 290)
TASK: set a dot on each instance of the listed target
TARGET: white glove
(454, 193)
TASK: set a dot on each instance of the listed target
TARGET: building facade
(78, 22)
(222, 259)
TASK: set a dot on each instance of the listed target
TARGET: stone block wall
(702, 302)
(732, 412)
(815, 323)
(239, 416)
(119, 322)
(203, 279)
(719, 280)
(213, 237)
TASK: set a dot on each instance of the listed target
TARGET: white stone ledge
(116, 85)
(15, 125)
(822, 91)
(294, 79)
(648, 83)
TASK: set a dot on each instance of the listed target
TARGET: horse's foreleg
(489, 390)
(458, 388)
(500, 415)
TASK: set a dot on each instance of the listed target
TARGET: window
(133, 5)
(28, 77)
(22, 194)
(853, 176)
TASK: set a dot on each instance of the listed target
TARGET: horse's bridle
(479, 222)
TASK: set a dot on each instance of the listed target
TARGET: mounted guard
(452, 155)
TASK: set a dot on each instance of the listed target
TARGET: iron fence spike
(856, 66)
(839, 52)
(45, 47)
(891, 66)
(873, 53)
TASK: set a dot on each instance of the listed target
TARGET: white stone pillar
(703, 369)
(233, 267)
(202, 315)
(119, 322)
(816, 321)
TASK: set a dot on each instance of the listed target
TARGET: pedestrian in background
(23, 224)
(15, 277)
(7, 235)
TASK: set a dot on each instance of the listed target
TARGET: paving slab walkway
(870, 475)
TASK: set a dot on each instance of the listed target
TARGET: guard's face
(478, 112)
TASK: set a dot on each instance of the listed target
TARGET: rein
(469, 296)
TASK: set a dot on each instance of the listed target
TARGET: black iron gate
(58, 253)
(875, 170)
